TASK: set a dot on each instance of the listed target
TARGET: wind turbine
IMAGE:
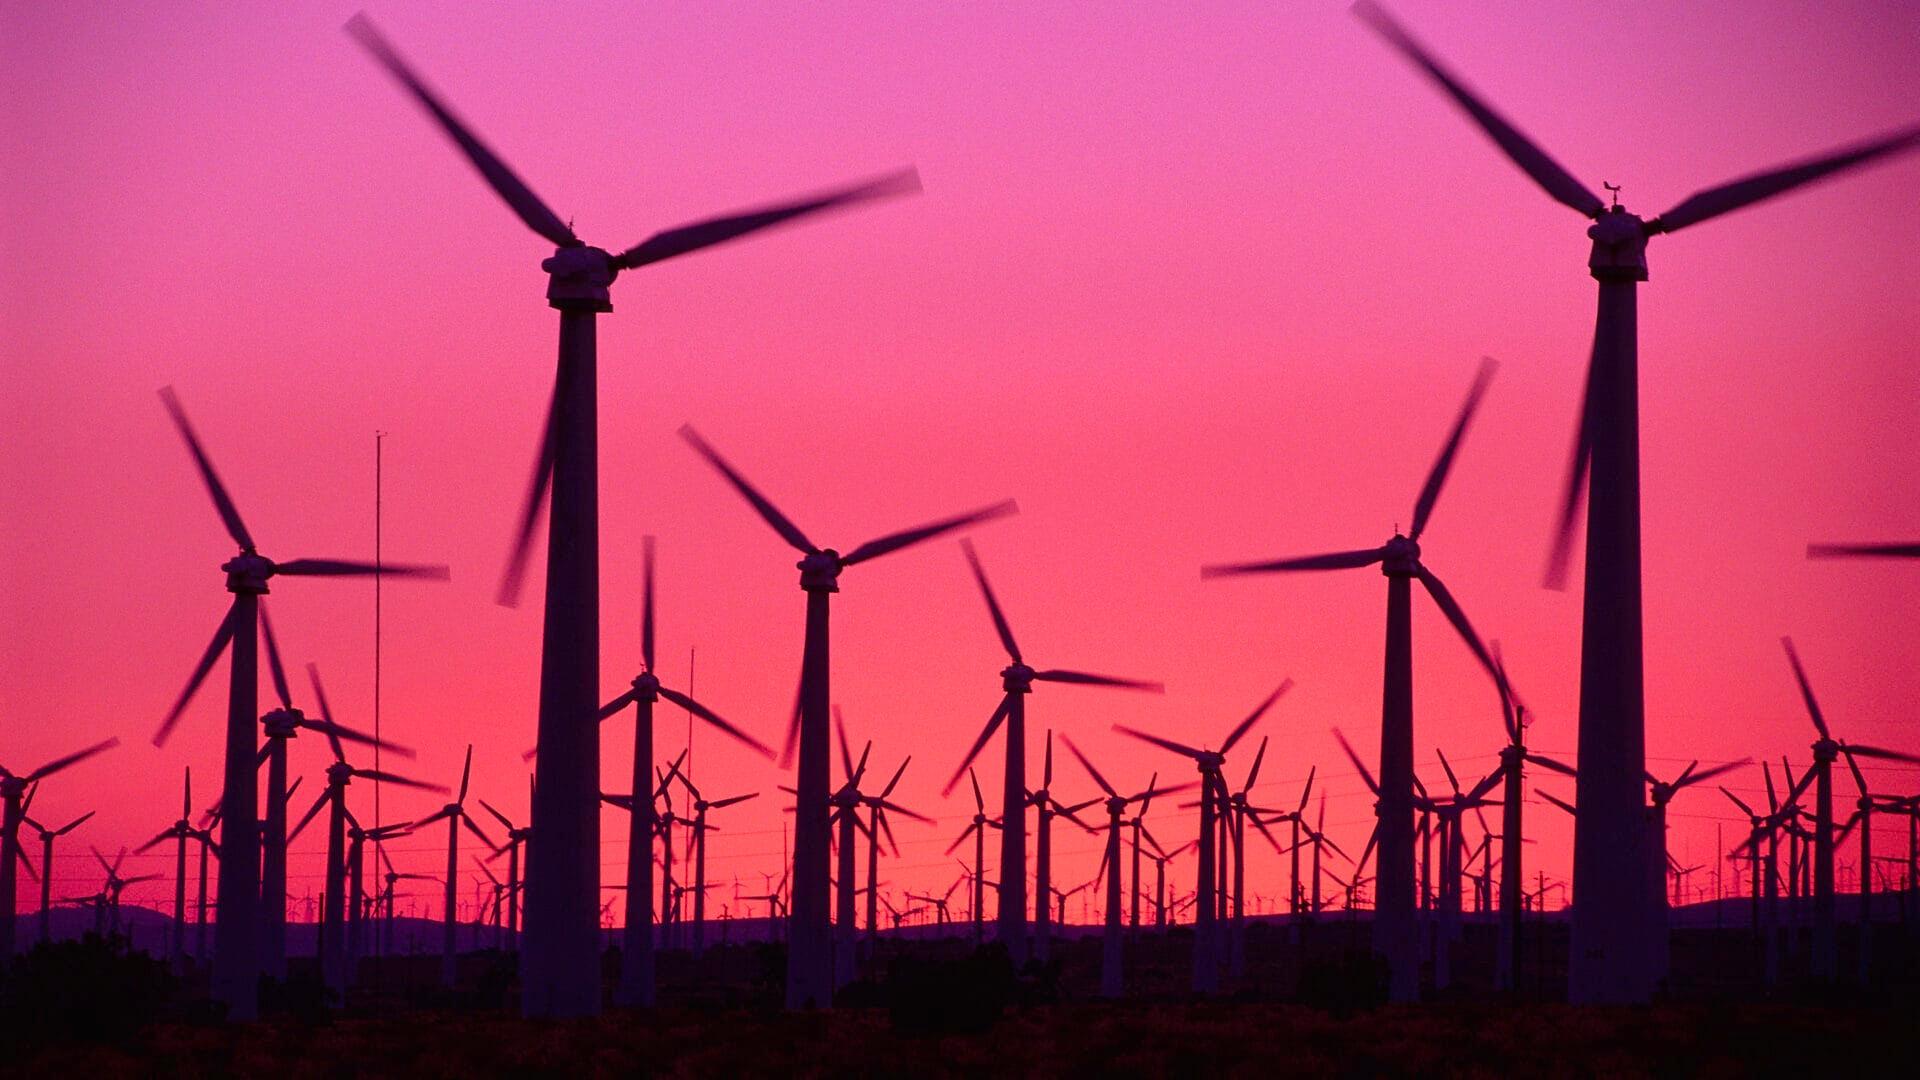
(1514, 757)
(562, 907)
(1016, 680)
(237, 924)
(978, 830)
(636, 985)
(1662, 793)
(13, 791)
(47, 837)
(1394, 935)
(357, 838)
(1863, 551)
(1112, 982)
(702, 804)
(1213, 793)
(1450, 811)
(179, 832)
(115, 884)
(810, 946)
(333, 938)
(1610, 921)
(939, 903)
(878, 807)
(1826, 960)
(517, 837)
(1045, 808)
(455, 815)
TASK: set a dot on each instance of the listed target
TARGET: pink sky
(1191, 285)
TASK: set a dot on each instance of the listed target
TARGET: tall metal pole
(1111, 978)
(236, 969)
(379, 439)
(1013, 828)
(809, 940)
(636, 985)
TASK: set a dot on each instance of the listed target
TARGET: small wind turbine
(333, 938)
(455, 814)
(978, 830)
(560, 973)
(1394, 935)
(517, 837)
(700, 827)
(1516, 718)
(1826, 960)
(1213, 795)
(636, 985)
(1657, 904)
(810, 945)
(1046, 807)
(1609, 920)
(47, 837)
(180, 832)
(1016, 680)
(13, 791)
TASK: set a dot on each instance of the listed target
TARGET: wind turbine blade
(1451, 608)
(1307, 789)
(497, 815)
(402, 781)
(515, 573)
(1561, 803)
(711, 717)
(1260, 823)
(873, 549)
(979, 803)
(1000, 625)
(475, 829)
(165, 835)
(466, 773)
(311, 811)
(74, 758)
(897, 773)
(1259, 710)
(340, 731)
(1486, 784)
(509, 187)
(718, 803)
(840, 735)
(1167, 744)
(74, 824)
(1806, 688)
(1088, 765)
(326, 712)
(1574, 496)
(961, 839)
(222, 502)
(895, 808)
(1258, 757)
(1550, 763)
(646, 602)
(1339, 560)
(788, 530)
(1521, 150)
(1437, 476)
(351, 568)
(273, 660)
(1725, 198)
(993, 725)
(1365, 773)
(1885, 551)
(1452, 780)
(1081, 678)
(1854, 767)
(718, 230)
(1710, 772)
(613, 707)
(221, 637)
(1884, 755)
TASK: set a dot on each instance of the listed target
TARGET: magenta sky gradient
(1193, 285)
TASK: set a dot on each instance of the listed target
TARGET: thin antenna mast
(378, 470)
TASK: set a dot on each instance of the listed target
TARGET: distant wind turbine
(13, 791)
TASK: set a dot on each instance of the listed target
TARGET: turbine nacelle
(579, 277)
(12, 787)
(1116, 805)
(1402, 558)
(1825, 751)
(1619, 246)
(820, 571)
(1017, 678)
(339, 773)
(248, 572)
(646, 687)
(282, 723)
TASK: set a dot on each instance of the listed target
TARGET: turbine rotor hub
(282, 723)
(1825, 751)
(1402, 558)
(1115, 807)
(646, 686)
(247, 573)
(578, 278)
(12, 787)
(820, 571)
(1017, 678)
(339, 773)
(1619, 246)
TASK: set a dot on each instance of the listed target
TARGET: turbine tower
(810, 945)
(1609, 961)
(1394, 932)
(1016, 680)
(559, 969)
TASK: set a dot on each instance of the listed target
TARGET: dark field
(938, 1008)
